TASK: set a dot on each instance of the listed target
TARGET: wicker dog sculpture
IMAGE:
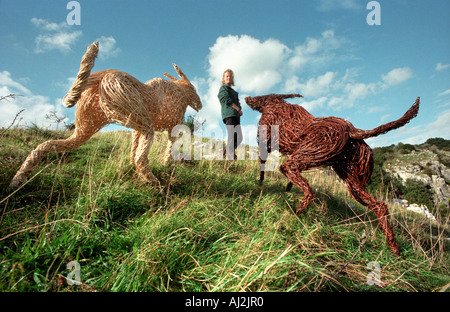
(112, 96)
(313, 142)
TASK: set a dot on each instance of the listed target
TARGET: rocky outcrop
(424, 166)
(422, 209)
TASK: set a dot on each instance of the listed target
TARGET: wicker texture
(313, 142)
(112, 96)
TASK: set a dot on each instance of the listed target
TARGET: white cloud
(257, 65)
(7, 82)
(314, 87)
(62, 37)
(440, 66)
(61, 41)
(446, 92)
(397, 75)
(345, 91)
(261, 67)
(107, 47)
(359, 90)
(315, 51)
(45, 25)
(54, 36)
(438, 128)
(249, 134)
(37, 107)
(314, 104)
(385, 118)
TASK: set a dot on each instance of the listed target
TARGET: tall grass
(211, 227)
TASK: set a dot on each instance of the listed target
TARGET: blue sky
(323, 49)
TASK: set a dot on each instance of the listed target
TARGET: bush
(418, 192)
(193, 123)
(405, 148)
(380, 179)
(439, 143)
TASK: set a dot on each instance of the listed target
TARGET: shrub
(418, 192)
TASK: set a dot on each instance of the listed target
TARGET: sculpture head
(259, 102)
(192, 98)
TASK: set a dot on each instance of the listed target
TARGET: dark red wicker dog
(318, 142)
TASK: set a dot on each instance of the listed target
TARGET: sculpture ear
(172, 78)
(293, 95)
(180, 73)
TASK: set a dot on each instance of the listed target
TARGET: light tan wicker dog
(112, 96)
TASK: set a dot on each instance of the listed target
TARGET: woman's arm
(226, 99)
(239, 110)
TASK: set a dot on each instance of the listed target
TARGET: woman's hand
(239, 110)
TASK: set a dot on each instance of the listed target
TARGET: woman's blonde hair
(232, 76)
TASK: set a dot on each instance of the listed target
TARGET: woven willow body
(313, 142)
(113, 96)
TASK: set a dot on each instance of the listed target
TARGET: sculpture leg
(289, 186)
(292, 169)
(141, 158)
(77, 139)
(357, 189)
(380, 210)
(134, 145)
(264, 149)
(261, 171)
(168, 150)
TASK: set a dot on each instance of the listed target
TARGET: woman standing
(231, 113)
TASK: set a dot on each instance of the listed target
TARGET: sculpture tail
(410, 114)
(87, 63)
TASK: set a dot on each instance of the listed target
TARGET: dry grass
(210, 228)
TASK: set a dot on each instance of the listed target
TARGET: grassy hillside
(210, 228)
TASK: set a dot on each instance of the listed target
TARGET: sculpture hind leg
(355, 170)
(379, 208)
(77, 139)
(89, 119)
